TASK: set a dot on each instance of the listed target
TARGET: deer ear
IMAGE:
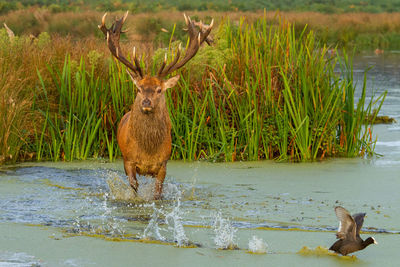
(171, 82)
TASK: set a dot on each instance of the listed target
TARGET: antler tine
(134, 52)
(172, 64)
(207, 32)
(103, 27)
(137, 63)
(120, 23)
(186, 19)
(203, 28)
(10, 33)
(163, 64)
(112, 35)
(196, 38)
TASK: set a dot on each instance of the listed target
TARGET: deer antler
(10, 33)
(197, 37)
(209, 40)
(112, 35)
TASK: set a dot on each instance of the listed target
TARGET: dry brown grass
(17, 79)
(363, 22)
(80, 25)
(20, 60)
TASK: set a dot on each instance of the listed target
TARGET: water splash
(152, 229)
(257, 245)
(170, 190)
(174, 221)
(194, 181)
(101, 223)
(110, 224)
(224, 233)
(121, 190)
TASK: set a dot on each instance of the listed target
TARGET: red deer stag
(144, 133)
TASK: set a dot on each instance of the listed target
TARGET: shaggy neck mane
(149, 129)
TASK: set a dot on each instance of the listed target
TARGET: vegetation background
(323, 6)
(267, 89)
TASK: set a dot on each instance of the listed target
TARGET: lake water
(383, 76)
(64, 214)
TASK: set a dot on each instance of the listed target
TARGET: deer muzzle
(146, 106)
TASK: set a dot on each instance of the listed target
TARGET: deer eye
(139, 90)
(159, 91)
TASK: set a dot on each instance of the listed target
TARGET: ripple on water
(388, 143)
(394, 128)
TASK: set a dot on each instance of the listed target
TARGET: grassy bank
(263, 91)
(359, 30)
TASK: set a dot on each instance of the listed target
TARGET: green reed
(263, 91)
(279, 98)
(84, 125)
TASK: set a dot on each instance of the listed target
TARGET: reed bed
(263, 91)
(268, 94)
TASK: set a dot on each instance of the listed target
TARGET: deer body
(145, 139)
(144, 133)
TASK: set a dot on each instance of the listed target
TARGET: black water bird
(349, 233)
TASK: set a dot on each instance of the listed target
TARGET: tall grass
(21, 122)
(278, 97)
(15, 99)
(263, 91)
(88, 111)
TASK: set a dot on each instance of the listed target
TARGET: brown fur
(152, 133)
(145, 138)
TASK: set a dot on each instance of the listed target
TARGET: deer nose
(146, 102)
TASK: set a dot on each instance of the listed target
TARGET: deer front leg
(159, 181)
(130, 170)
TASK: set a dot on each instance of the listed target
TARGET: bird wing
(347, 225)
(359, 219)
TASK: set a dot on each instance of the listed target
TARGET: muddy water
(65, 214)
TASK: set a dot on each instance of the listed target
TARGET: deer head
(151, 89)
